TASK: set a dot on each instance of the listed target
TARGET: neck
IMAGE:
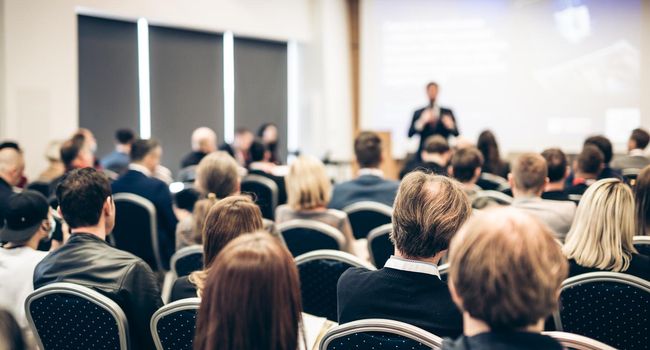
(473, 326)
(471, 185)
(555, 186)
(98, 231)
(432, 260)
(123, 148)
(586, 176)
(434, 158)
(526, 194)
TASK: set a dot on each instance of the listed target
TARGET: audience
(240, 148)
(370, 185)
(635, 158)
(12, 166)
(139, 180)
(251, 299)
(492, 162)
(204, 142)
(226, 220)
(601, 236)
(558, 171)
(429, 210)
(528, 180)
(55, 168)
(268, 133)
(11, 336)
(435, 157)
(308, 194)
(505, 297)
(262, 165)
(605, 146)
(27, 222)
(587, 169)
(642, 202)
(118, 160)
(466, 166)
(87, 206)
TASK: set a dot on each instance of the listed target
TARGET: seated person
(308, 194)
(489, 147)
(268, 134)
(558, 171)
(226, 220)
(635, 158)
(642, 202)
(505, 297)
(28, 222)
(465, 167)
(87, 206)
(12, 166)
(118, 160)
(435, 157)
(76, 153)
(240, 148)
(139, 180)
(587, 168)
(370, 185)
(527, 180)
(603, 230)
(262, 165)
(55, 167)
(204, 142)
(429, 210)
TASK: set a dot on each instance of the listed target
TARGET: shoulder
(355, 276)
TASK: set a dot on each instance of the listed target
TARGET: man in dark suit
(429, 210)
(432, 120)
(261, 165)
(587, 168)
(558, 171)
(145, 157)
(12, 166)
(435, 157)
(370, 185)
(204, 141)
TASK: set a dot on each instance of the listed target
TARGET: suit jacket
(192, 158)
(429, 130)
(158, 193)
(6, 190)
(558, 215)
(364, 188)
(627, 162)
(115, 161)
(504, 340)
(427, 166)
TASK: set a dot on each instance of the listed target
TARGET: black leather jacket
(89, 261)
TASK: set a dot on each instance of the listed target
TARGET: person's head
(76, 153)
(89, 138)
(642, 202)
(124, 137)
(243, 139)
(489, 148)
(27, 219)
(146, 152)
(638, 140)
(590, 162)
(603, 227)
(10, 144)
(516, 288)
(367, 149)
(268, 133)
(12, 165)
(204, 140)
(529, 175)
(436, 149)
(556, 164)
(251, 299)
(308, 186)
(603, 144)
(11, 336)
(217, 173)
(429, 210)
(85, 200)
(259, 152)
(432, 91)
(466, 165)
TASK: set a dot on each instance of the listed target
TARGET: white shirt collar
(140, 168)
(412, 266)
(371, 171)
(637, 153)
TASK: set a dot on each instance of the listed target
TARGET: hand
(425, 118)
(448, 122)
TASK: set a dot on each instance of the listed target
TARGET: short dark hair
(124, 136)
(640, 137)
(70, 149)
(464, 163)
(431, 83)
(10, 144)
(590, 160)
(141, 147)
(367, 149)
(257, 151)
(436, 144)
(556, 162)
(81, 195)
(603, 144)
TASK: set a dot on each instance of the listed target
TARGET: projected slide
(536, 72)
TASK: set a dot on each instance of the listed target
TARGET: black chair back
(380, 246)
(642, 244)
(378, 334)
(303, 236)
(265, 193)
(41, 187)
(187, 174)
(173, 325)
(366, 216)
(630, 175)
(187, 260)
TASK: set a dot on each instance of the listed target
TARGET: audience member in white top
(635, 157)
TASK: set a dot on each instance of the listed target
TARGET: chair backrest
(492, 182)
(266, 193)
(136, 228)
(187, 174)
(187, 260)
(319, 274)
(380, 247)
(578, 342)
(303, 236)
(483, 198)
(173, 325)
(366, 216)
(70, 316)
(630, 175)
(642, 244)
(610, 307)
(379, 334)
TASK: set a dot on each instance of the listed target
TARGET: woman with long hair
(268, 134)
(642, 196)
(493, 164)
(600, 238)
(251, 298)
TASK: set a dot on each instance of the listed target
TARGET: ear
(109, 206)
(546, 182)
(58, 211)
(450, 171)
(511, 180)
(477, 172)
(454, 295)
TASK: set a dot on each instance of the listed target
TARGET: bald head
(204, 140)
(529, 175)
(12, 165)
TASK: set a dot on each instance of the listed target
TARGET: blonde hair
(507, 268)
(308, 186)
(602, 231)
(217, 173)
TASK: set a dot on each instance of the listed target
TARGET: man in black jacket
(86, 259)
(429, 209)
(432, 120)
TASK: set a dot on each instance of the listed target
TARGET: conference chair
(366, 215)
(378, 334)
(70, 316)
(609, 307)
(302, 236)
(380, 247)
(574, 341)
(484, 199)
(492, 182)
(41, 187)
(642, 244)
(187, 174)
(266, 193)
(187, 260)
(630, 175)
(173, 325)
(136, 228)
(319, 274)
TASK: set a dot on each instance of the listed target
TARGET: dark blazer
(502, 341)
(364, 188)
(279, 180)
(6, 190)
(556, 195)
(121, 276)
(182, 289)
(429, 130)
(639, 266)
(192, 158)
(427, 166)
(158, 193)
(419, 299)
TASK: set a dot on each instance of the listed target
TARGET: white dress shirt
(412, 266)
